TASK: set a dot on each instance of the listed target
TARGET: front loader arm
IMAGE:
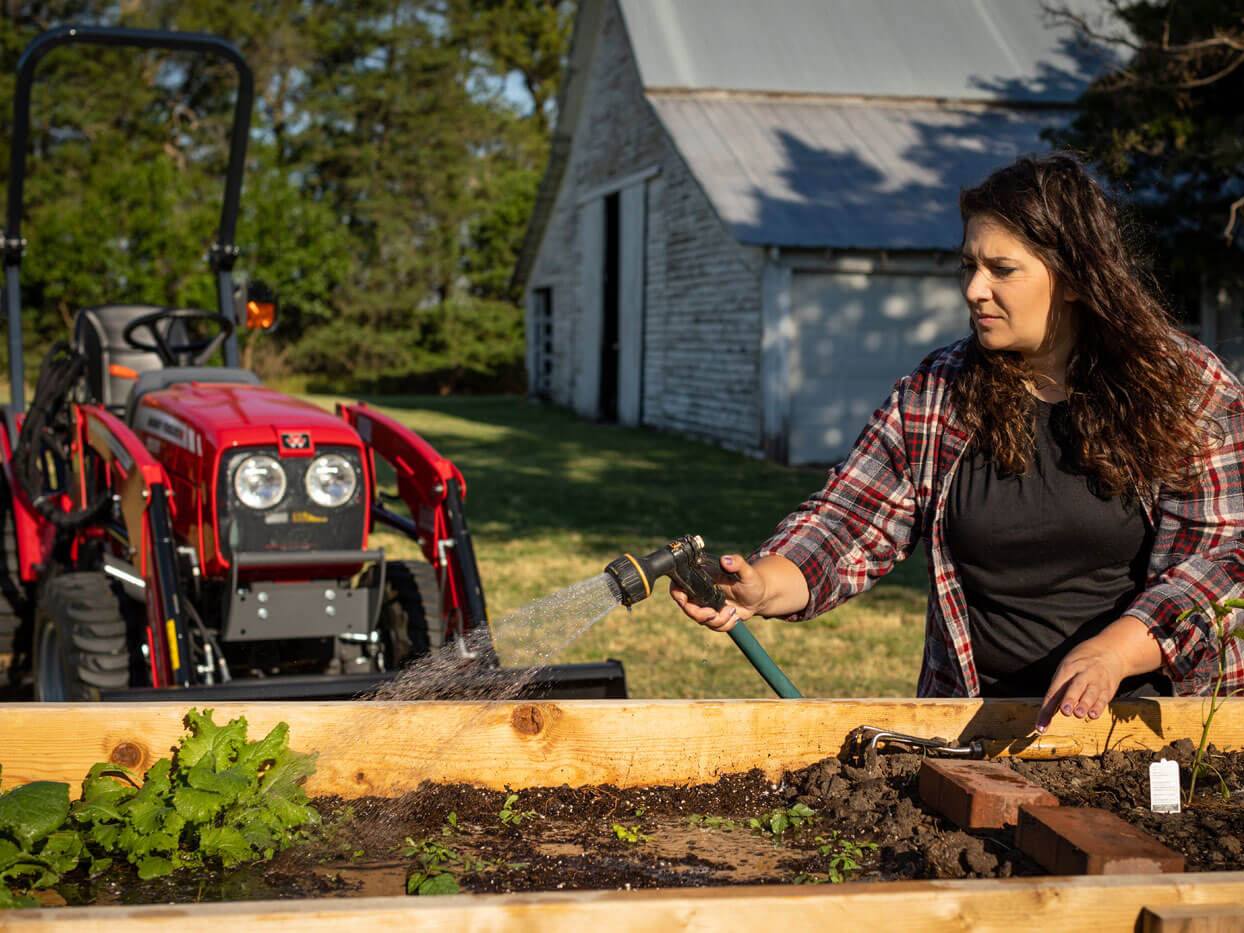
(433, 489)
(142, 486)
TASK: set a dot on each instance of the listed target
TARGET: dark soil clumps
(711, 834)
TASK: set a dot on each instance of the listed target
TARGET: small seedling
(779, 821)
(845, 856)
(439, 865)
(512, 817)
(705, 821)
(629, 834)
(451, 824)
(1225, 632)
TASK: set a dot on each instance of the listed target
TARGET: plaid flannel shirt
(893, 488)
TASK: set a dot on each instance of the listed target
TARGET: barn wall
(701, 314)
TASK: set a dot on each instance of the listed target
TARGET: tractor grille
(295, 523)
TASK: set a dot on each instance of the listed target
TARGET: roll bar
(223, 252)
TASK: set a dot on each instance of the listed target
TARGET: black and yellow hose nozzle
(682, 560)
(688, 566)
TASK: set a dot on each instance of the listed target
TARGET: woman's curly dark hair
(1131, 388)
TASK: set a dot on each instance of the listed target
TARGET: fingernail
(1067, 709)
(1079, 712)
(727, 561)
(1093, 714)
(1040, 728)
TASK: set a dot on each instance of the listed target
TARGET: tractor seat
(97, 335)
(156, 379)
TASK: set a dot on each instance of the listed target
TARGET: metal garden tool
(1031, 747)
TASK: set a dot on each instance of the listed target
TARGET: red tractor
(169, 525)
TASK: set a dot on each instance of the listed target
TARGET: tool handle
(1032, 748)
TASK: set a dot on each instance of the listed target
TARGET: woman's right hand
(744, 588)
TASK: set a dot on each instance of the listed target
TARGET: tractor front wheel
(80, 643)
(410, 623)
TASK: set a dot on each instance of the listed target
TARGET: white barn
(749, 225)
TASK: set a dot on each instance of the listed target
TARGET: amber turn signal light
(260, 315)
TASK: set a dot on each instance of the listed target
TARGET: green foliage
(509, 816)
(437, 866)
(1224, 634)
(220, 798)
(722, 823)
(629, 834)
(843, 856)
(777, 822)
(1167, 127)
(389, 181)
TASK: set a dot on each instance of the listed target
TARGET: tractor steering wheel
(188, 353)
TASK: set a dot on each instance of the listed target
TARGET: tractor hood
(219, 416)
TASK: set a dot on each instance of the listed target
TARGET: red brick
(978, 794)
(1088, 841)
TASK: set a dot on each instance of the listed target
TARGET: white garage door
(855, 334)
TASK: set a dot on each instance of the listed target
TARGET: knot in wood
(527, 719)
(127, 755)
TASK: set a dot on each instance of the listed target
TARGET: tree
(1168, 127)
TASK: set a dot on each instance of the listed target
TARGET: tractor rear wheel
(80, 642)
(14, 597)
(410, 619)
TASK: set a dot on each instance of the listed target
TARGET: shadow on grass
(534, 469)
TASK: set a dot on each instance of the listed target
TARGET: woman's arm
(838, 543)
(1198, 558)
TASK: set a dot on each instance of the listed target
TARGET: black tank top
(1045, 561)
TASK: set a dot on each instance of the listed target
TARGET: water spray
(691, 569)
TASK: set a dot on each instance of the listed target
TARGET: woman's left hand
(1085, 681)
(1090, 674)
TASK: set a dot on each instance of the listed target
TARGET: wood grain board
(368, 748)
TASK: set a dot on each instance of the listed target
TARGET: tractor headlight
(259, 482)
(331, 480)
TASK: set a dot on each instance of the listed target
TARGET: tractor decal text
(309, 518)
(168, 428)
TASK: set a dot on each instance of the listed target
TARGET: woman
(1075, 467)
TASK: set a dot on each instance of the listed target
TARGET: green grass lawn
(551, 499)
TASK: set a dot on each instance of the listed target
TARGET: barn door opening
(611, 296)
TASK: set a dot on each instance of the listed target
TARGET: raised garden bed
(591, 834)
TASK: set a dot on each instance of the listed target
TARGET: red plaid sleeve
(1198, 551)
(852, 532)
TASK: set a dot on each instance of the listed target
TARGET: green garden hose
(765, 666)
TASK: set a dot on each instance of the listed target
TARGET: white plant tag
(1164, 786)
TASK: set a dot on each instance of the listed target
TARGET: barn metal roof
(844, 174)
(958, 49)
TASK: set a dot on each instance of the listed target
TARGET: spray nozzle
(683, 560)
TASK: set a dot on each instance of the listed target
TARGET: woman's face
(1016, 302)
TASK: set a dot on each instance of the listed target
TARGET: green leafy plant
(510, 816)
(1226, 633)
(34, 851)
(844, 857)
(629, 834)
(438, 865)
(705, 821)
(777, 822)
(451, 824)
(220, 798)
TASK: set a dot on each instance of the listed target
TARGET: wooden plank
(1092, 905)
(369, 748)
(1202, 918)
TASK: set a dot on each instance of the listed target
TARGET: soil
(696, 836)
